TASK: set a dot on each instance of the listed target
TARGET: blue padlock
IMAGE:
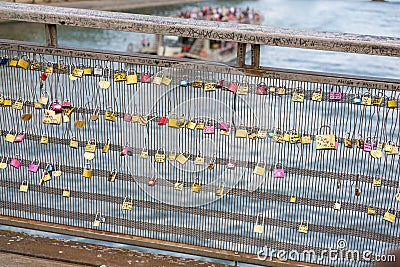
(50, 167)
(3, 61)
(357, 100)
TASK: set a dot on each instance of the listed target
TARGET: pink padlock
(34, 167)
(279, 172)
(209, 129)
(152, 182)
(220, 83)
(57, 107)
(223, 126)
(19, 138)
(66, 104)
(261, 89)
(128, 117)
(368, 146)
(231, 165)
(335, 95)
(15, 163)
(124, 151)
(232, 87)
(336, 145)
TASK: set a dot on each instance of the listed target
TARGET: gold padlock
(73, 143)
(119, 77)
(166, 80)
(282, 90)
(305, 140)
(131, 78)
(18, 105)
(371, 211)
(87, 71)
(44, 140)
(178, 186)
(303, 228)
(77, 72)
(87, 171)
(10, 137)
(243, 88)
(110, 115)
(24, 186)
(377, 181)
(191, 125)
(298, 96)
(241, 133)
(294, 137)
(172, 156)
(66, 193)
(127, 204)
(112, 176)
(392, 103)
(394, 150)
(7, 102)
(272, 89)
(182, 158)
(210, 86)
(91, 146)
(325, 141)
(316, 96)
(196, 187)
(377, 101)
(22, 63)
(160, 156)
(199, 160)
(337, 206)
(13, 62)
(390, 217)
(145, 153)
(106, 147)
(259, 169)
(293, 199)
(219, 192)
(366, 99)
(157, 80)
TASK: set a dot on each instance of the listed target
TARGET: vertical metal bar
(51, 35)
(241, 55)
(255, 55)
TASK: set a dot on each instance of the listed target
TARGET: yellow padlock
(303, 228)
(316, 96)
(87, 71)
(24, 186)
(10, 137)
(13, 62)
(371, 211)
(191, 125)
(44, 140)
(281, 90)
(7, 102)
(110, 115)
(196, 187)
(159, 157)
(298, 97)
(325, 141)
(131, 78)
(66, 193)
(259, 169)
(73, 143)
(77, 72)
(306, 140)
(392, 103)
(200, 125)
(91, 146)
(119, 77)
(106, 147)
(199, 160)
(293, 199)
(182, 158)
(145, 153)
(166, 80)
(241, 133)
(22, 63)
(390, 217)
(219, 192)
(87, 171)
(127, 204)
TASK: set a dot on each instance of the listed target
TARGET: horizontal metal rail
(266, 72)
(241, 33)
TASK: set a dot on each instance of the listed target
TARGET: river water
(350, 16)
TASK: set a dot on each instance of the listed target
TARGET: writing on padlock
(279, 171)
(127, 204)
(159, 157)
(325, 141)
(110, 115)
(24, 186)
(178, 185)
(335, 94)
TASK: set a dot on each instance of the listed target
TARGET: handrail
(242, 33)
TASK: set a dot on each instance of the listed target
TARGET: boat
(202, 49)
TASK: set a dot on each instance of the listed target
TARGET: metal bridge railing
(198, 157)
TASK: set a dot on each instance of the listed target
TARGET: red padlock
(163, 121)
(43, 76)
(220, 83)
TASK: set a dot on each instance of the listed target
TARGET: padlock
(200, 125)
(110, 115)
(77, 72)
(127, 204)
(293, 199)
(219, 192)
(197, 83)
(196, 186)
(325, 141)
(230, 165)
(262, 134)
(259, 224)
(112, 176)
(377, 181)
(124, 151)
(4, 60)
(182, 158)
(261, 89)
(66, 193)
(335, 95)
(120, 76)
(45, 178)
(74, 143)
(87, 171)
(277, 136)
(220, 83)
(44, 140)
(348, 142)
(337, 206)
(104, 84)
(145, 78)
(91, 146)
(57, 172)
(166, 80)
(24, 187)
(210, 87)
(282, 90)
(392, 103)
(97, 71)
(252, 133)
(241, 132)
(233, 87)
(376, 153)
(3, 162)
(56, 107)
(162, 121)
(360, 143)
(286, 137)
(144, 153)
(160, 156)
(10, 137)
(106, 146)
(371, 211)
(178, 186)
(377, 100)
(7, 102)
(368, 145)
(259, 169)
(298, 95)
(15, 162)
(305, 139)
(152, 182)
(22, 63)
(303, 228)
(184, 82)
(19, 104)
(13, 62)
(50, 167)
(87, 71)
(209, 128)
(199, 160)
(357, 191)
(135, 117)
(191, 125)
(131, 77)
(366, 99)
(211, 164)
(175, 122)
(61, 67)
(95, 115)
(394, 151)
(294, 137)
(98, 220)
(172, 156)
(243, 88)
(34, 167)
(357, 100)
(279, 172)
(390, 217)
(157, 80)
